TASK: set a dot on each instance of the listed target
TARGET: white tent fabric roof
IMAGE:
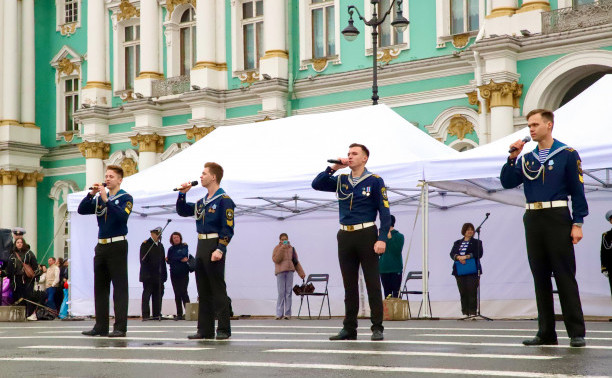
(585, 123)
(280, 158)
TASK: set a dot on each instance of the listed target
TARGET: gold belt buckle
(538, 206)
(350, 228)
(104, 241)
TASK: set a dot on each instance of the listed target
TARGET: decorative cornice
(150, 75)
(129, 167)
(68, 29)
(98, 84)
(460, 126)
(67, 67)
(473, 99)
(387, 55)
(199, 132)
(210, 65)
(127, 10)
(275, 54)
(148, 142)
(501, 94)
(94, 150)
(32, 179)
(171, 4)
(249, 77)
(10, 177)
(461, 40)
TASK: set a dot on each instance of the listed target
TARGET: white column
(502, 122)
(98, 89)
(220, 45)
(149, 49)
(30, 209)
(9, 198)
(274, 62)
(1, 61)
(28, 71)
(503, 4)
(207, 73)
(94, 171)
(146, 159)
(10, 68)
(94, 153)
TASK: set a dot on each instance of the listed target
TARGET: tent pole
(426, 313)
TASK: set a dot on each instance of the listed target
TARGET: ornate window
(71, 102)
(323, 20)
(67, 64)
(131, 48)
(67, 16)
(319, 33)
(252, 33)
(61, 223)
(387, 35)
(464, 16)
(188, 41)
(458, 20)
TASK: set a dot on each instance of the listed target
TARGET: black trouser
(212, 292)
(391, 283)
(179, 286)
(550, 251)
(152, 290)
(356, 248)
(110, 266)
(24, 288)
(468, 290)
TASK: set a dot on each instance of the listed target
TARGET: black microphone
(334, 161)
(103, 184)
(488, 214)
(193, 183)
(525, 140)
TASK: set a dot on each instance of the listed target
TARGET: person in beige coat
(286, 262)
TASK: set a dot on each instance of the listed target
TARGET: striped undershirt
(463, 247)
(543, 154)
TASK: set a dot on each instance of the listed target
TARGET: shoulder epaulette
(569, 149)
(145, 242)
(375, 175)
(225, 196)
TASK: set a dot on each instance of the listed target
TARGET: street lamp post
(350, 33)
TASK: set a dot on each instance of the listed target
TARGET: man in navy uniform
(361, 196)
(153, 274)
(112, 211)
(606, 252)
(214, 216)
(550, 174)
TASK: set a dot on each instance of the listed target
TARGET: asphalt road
(281, 348)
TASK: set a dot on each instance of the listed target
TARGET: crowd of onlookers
(42, 289)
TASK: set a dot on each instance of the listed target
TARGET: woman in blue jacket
(464, 252)
(178, 255)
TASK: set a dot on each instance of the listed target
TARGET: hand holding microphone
(517, 147)
(97, 187)
(338, 163)
(185, 187)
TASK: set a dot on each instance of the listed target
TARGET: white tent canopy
(269, 167)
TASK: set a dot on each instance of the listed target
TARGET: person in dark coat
(21, 284)
(178, 255)
(463, 251)
(153, 274)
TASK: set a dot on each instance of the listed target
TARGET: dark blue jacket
(175, 254)
(560, 177)
(359, 203)
(214, 215)
(152, 262)
(112, 215)
(472, 249)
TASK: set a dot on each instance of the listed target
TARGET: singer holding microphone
(550, 174)
(214, 217)
(112, 211)
(361, 197)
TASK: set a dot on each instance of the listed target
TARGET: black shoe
(93, 332)
(377, 336)
(577, 342)
(539, 341)
(116, 333)
(146, 318)
(179, 317)
(344, 335)
(223, 336)
(199, 336)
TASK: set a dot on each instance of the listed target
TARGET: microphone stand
(478, 252)
(161, 284)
